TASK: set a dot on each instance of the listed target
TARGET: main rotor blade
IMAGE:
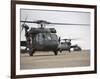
(45, 22)
(70, 24)
(69, 39)
(38, 22)
(29, 21)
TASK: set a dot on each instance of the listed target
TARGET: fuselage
(45, 41)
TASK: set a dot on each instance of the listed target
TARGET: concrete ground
(49, 60)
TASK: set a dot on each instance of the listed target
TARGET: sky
(78, 32)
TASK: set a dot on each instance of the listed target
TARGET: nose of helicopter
(51, 44)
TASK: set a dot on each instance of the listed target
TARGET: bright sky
(78, 32)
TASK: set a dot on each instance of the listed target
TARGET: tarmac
(49, 60)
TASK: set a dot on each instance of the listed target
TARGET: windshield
(46, 36)
(54, 36)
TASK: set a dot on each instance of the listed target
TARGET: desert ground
(49, 60)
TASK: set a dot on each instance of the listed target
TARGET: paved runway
(49, 60)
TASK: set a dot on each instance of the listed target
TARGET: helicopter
(42, 38)
(67, 46)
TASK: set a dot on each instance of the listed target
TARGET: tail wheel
(56, 52)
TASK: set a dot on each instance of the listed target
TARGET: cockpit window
(54, 36)
(46, 36)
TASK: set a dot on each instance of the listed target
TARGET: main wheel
(69, 51)
(56, 52)
(60, 50)
(31, 52)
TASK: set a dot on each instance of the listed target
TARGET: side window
(54, 36)
(40, 37)
(37, 38)
(48, 36)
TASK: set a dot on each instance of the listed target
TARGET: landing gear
(31, 52)
(60, 51)
(69, 50)
(56, 52)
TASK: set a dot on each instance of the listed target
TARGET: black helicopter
(42, 39)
